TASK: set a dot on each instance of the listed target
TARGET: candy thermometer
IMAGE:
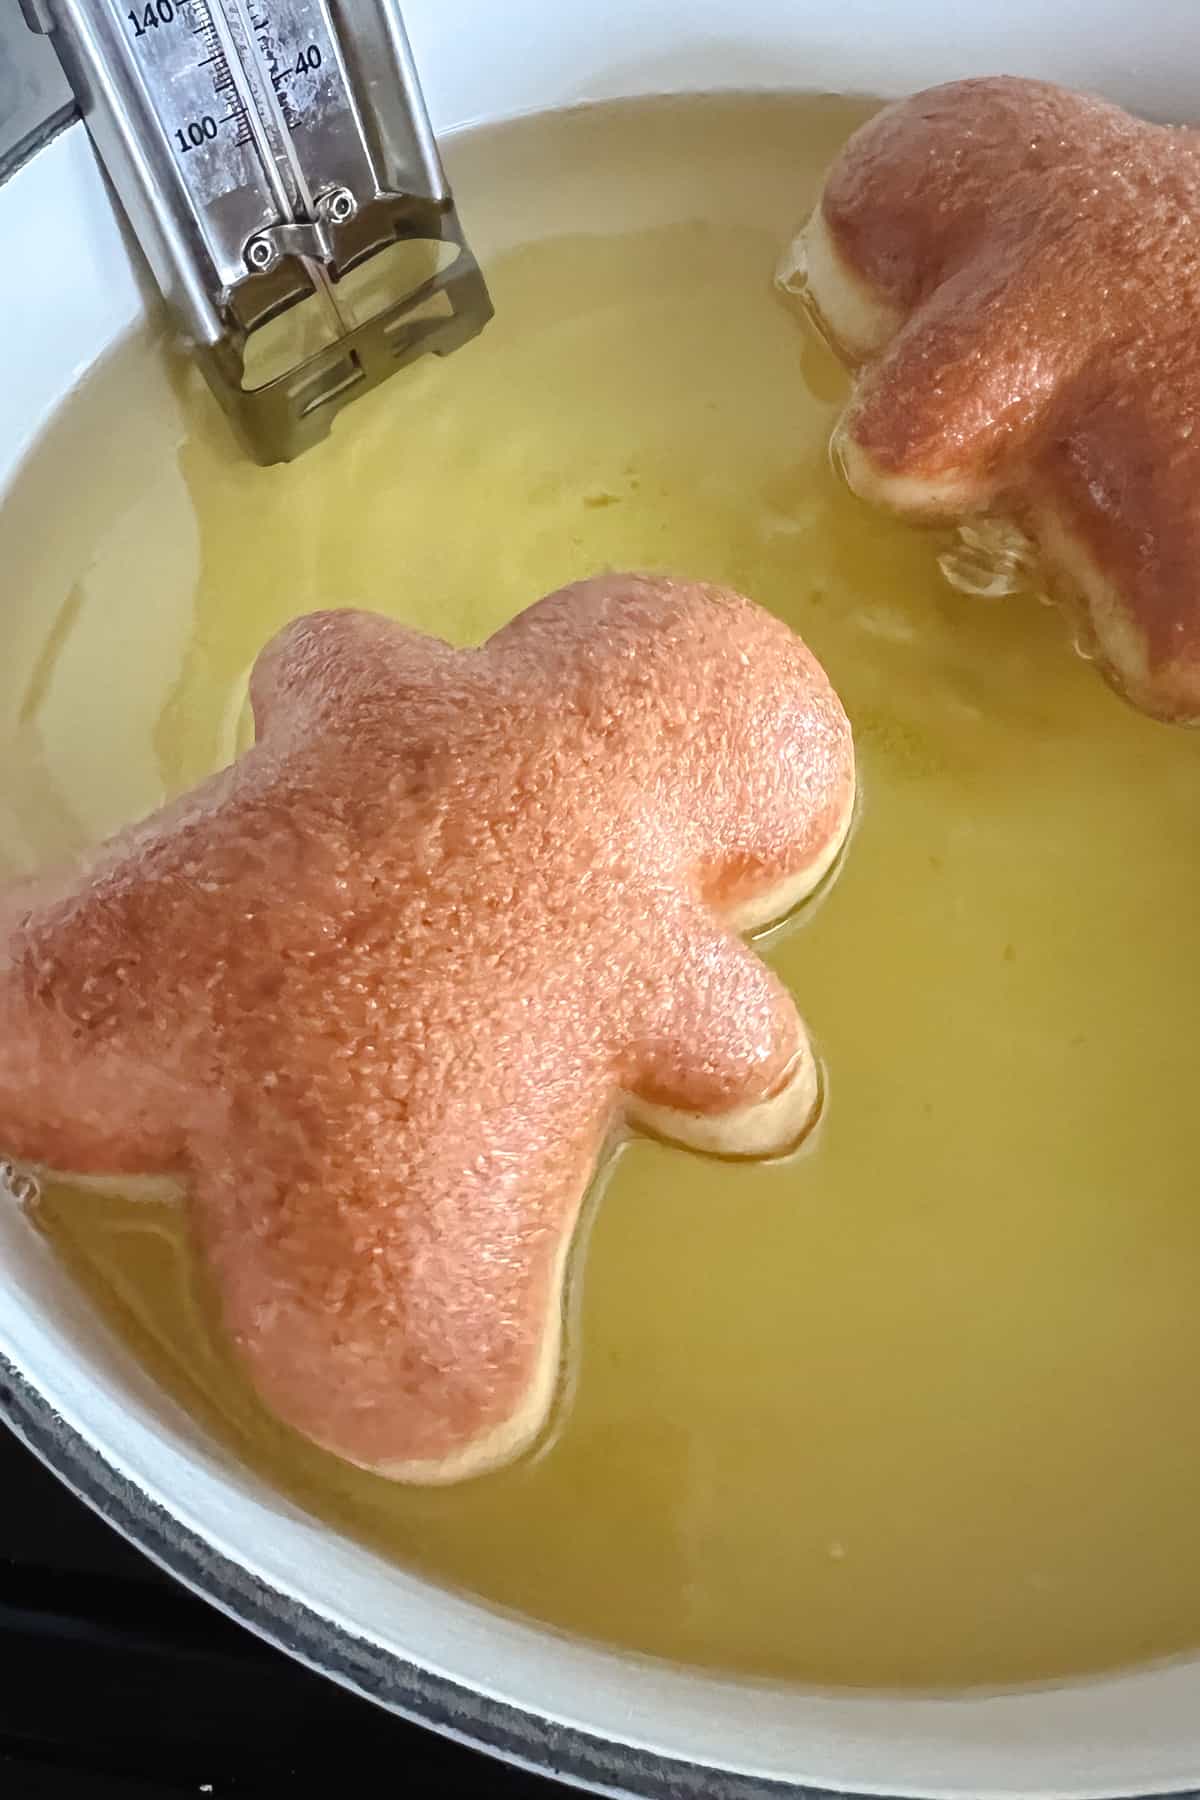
(277, 164)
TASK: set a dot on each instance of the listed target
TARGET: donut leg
(730, 1068)
(1117, 521)
(939, 423)
(398, 1297)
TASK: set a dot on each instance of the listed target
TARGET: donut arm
(77, 1087)
(110, 976)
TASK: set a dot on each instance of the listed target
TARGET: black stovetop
(118, 1684)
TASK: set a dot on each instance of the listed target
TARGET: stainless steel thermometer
(276, 161)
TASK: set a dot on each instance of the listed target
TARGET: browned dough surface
(379, 990)
(1026, 261)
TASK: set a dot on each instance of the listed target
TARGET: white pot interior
(82, 289)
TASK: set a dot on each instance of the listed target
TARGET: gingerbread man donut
(378, 992)
(1016, 271)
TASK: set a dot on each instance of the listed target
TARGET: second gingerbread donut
(1015, 269)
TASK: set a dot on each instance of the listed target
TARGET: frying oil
(917, 1406)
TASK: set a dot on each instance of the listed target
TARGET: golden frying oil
(918, 1406)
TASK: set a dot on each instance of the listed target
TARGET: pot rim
(97, 304)
(478, 1721)
(516, 1735)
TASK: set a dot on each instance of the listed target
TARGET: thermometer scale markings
(247, 142)
(232, 36)
(222, 82)
(254, 81)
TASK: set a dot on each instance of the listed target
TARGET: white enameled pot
(616, 1724)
